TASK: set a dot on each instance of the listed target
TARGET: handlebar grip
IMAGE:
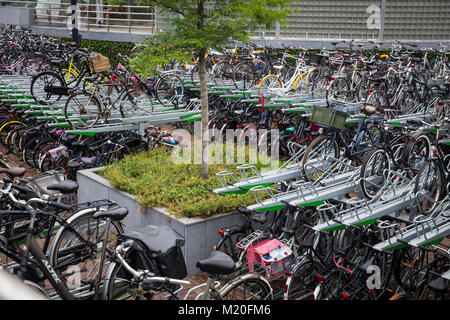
(60, 205)
(21, 188)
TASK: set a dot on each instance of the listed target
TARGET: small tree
(198, 25)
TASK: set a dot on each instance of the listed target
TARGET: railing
(94, 17)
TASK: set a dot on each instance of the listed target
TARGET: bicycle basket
(315, 59)
(270, 258)
(329, 117)
(98, 63)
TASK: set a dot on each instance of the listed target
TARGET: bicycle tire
(69, 254)
(166, 90)
(303, 280)
(375, 163)
(42, 80)
(430, 179)
(227, 244)
(268, 82)
(238, 286)
(310, 151)
(79, 110)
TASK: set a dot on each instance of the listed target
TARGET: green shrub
(109, 49)
(158, 182)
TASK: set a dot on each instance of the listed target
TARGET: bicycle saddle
(68, 186)
(435, 83)
(57, 61)
(438, 284)
(13, 172)
(368, 110)
(217, 263)
(117, 214)
(74, 164)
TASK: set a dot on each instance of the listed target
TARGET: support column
(75, 35)
(382, 15)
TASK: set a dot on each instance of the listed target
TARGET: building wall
(417, 20)
(319, 20)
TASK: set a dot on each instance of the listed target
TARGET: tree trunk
(204, 104)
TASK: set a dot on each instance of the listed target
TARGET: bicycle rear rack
(249, 240)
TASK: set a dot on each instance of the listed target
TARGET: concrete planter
(200, 234)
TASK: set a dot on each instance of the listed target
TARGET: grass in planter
(158, 182)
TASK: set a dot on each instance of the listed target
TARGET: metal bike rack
(337, 181)
(290, 170)
(395, 195)
(423, 231)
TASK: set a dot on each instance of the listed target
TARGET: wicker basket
(99, 63)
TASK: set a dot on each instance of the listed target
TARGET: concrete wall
(90, 35)
(17, 16)
(200, 234)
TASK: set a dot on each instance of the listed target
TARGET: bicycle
(125, 278)
(433, 178)
(72, 267)
(84, 108)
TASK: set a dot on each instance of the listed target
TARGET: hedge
(110, 49)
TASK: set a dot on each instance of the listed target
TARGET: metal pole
(383, 10)
(75, 36)
(129, 19)
(277, 30)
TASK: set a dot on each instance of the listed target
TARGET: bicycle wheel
(316, 158)
(416, 151)
(429, 186)
(40, 150)
(269, 82)
(41, 87)
(78, 261)
(377, 98)
(28, 151)
(303, 280)
(228, 244)
(244, 75)
(316, 81)
(169, 87)
(373, 170)
(249, 287)
(8, 127)
(336, 90)
(331, 287)
(221, 71)
(11, 140)
(194, 75)
(82, 110)
(119, 285)
(299, 83)
(135, 103)
(46, 162)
